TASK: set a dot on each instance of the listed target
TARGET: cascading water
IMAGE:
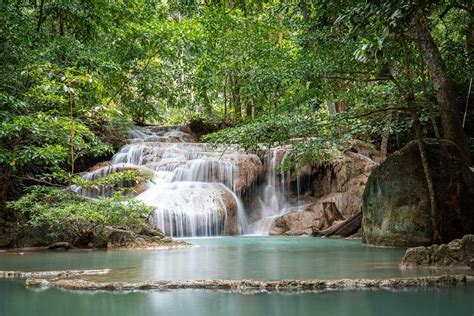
(274, 199)
(195, 190)
(193, 187)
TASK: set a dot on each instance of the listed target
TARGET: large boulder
(396, 206)
(316, 216)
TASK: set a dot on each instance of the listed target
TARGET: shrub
(60, 210)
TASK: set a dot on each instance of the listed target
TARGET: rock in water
(316, 216)
(396, 205)
(459, 252)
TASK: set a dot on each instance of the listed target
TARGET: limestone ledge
(57, 274)
(164, 245)
(249, 285)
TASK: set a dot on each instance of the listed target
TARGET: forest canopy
(75, 74)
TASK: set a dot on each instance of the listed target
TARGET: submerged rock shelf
(57, 274)
(248, 285)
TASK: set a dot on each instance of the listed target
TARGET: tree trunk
(236, 96)
(225, 99)
(470, 40)
(436, 238)
(249, 111)
(384, 145)
(5, 174)
(61, 23)
(345, 229)
(341, 106)
(40, 16)
(428, 102)
(442, 85)
(411, 102)
(71, 141)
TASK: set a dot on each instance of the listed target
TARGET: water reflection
(17, 300)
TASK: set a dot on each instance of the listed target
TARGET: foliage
(119, 181)
(74, 73)
(39, 146)
(352, 53)
(61, 210)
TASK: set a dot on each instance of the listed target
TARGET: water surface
(231, 258)
(16, 300)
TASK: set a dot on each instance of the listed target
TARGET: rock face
(325, 194)
(459, 252)
(396, 206)
(249, 167)
(343, 181)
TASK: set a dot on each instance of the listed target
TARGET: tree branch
(30, 178)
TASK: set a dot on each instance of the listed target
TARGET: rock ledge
(459, 252)
(247, 285)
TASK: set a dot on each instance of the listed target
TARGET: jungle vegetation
(75, 74)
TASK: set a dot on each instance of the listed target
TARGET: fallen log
(344, 229)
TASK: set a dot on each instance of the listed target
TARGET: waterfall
(195, 190)
(274, 200)
(192, 188)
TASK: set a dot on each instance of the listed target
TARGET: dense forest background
(75, 73)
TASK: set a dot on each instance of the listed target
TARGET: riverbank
(173, 244)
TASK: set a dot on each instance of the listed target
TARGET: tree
(443, 87)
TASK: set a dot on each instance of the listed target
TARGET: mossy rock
(97, 236)
(396, 206)
(458, 252)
